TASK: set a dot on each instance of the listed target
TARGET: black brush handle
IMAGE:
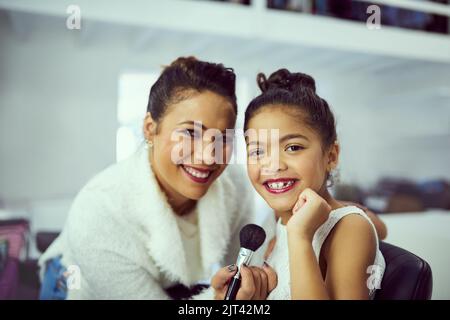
(233, 288)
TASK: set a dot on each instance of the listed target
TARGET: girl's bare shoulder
(351, 234)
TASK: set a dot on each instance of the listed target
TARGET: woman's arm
(107, 275)
(102, 251)
(380, 226)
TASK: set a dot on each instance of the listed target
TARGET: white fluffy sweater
(123, 235)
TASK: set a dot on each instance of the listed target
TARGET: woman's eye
(294, 148)
(190, 133)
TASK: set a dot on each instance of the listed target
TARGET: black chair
(45, 239)
(407, 276)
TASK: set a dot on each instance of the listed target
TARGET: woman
(154, 225)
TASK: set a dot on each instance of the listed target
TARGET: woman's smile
(198, 175)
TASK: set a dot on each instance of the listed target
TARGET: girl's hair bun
(185, 63)
(284, 79)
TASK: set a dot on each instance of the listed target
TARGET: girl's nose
(272, 166)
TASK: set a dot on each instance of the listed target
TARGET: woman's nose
(204, 152)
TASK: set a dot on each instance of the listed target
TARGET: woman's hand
(309, 213)
(256, 283)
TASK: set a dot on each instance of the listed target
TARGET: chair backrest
(45, 239)
(407, 276)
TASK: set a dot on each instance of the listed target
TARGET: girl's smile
(280, 185)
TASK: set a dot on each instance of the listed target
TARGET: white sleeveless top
(279, 257)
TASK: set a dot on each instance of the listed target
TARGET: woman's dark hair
(189, 74)
(298, 91)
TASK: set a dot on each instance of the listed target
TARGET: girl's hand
(309, 213)
(256, 283)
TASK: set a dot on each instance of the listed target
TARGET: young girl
(323, 249)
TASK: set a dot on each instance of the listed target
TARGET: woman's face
(183, 156)
(279, 176)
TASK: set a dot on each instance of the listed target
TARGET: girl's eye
(228, 140)
(294, 148)
(256, 153)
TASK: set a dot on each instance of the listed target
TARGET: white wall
(383, 134)
(57, 114)
(425, 235)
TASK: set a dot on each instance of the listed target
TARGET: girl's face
(300, 162)
(182, 155)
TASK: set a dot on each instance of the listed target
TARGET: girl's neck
(334, 204)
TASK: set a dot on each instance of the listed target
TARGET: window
(134, 89)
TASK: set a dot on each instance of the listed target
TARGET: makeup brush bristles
(252, 236)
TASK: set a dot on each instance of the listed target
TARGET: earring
(148, 144)
(333, 177)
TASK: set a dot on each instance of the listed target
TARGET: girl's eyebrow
(252, 143)
(293, 136)
(282, 139)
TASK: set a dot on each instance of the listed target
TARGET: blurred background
(73, 96)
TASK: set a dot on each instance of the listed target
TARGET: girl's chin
(281, 204)
(281, 207)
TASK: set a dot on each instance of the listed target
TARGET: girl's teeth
(280, 185)
(197, 174)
